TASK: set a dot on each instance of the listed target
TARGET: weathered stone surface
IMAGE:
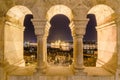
(11, 37)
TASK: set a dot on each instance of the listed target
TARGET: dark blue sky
(59, 29)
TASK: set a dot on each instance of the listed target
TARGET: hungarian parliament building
(66, 46)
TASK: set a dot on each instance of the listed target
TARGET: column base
(79, 70)
(42, 69)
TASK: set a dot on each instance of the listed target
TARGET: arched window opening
(106, 36)
(90, 42)
(14, 27)
(59, 49)
(30, 45)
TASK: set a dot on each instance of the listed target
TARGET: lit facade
(61, 45)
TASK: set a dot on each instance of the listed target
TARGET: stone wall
(13, 44)
(107, 51)
(11, 38)
(2, 72)
(62, 78)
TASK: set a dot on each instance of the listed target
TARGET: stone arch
(13, 35)
(17, 13)
(114, 4)
(106, 36)
(60, 30)
(102, 12)
(59, 9)
(77, 27)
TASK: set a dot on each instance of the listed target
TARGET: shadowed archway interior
(59, 29)
(91, 33)
(29, 32)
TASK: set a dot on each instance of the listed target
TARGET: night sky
(91, 33)
(60, 29)
(29, 34)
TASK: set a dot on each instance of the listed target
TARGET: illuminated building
(61, 45)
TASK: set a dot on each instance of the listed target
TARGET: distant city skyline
(60, 29)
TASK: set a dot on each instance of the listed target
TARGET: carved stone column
(40, 31)
(78, 32)
(47, 27)
(78, 52)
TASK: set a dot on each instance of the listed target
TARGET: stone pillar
(107, 43)
(118, 49)
(2, 70)
(78, 31)
(118, 41)
(13, 44)
(78, 52)
(39, 26)
(47, 27)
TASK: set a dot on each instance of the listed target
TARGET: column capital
(79, 27)
(37, 22)
(39, 26)
(78, 32)
(47, 27)
(81, 21)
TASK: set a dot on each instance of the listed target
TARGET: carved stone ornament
(39, 26)
(80, 27)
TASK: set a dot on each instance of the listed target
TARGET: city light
(61, 45)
